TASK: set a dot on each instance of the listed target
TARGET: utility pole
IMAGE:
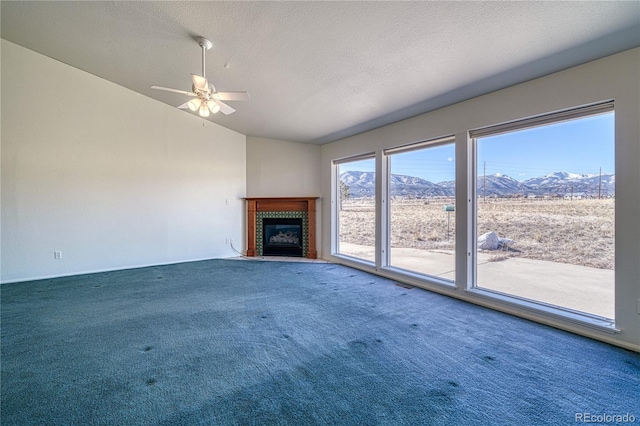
(600, 185)
(484, 183)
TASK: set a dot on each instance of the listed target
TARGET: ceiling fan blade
(231, 96)
(166, 89)
(224, 108)
(183, 106)
(200, 83)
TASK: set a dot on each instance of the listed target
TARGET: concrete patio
(575, 287)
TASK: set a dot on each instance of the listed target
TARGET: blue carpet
(231, 342)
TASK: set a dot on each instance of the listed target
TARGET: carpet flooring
(231, 342)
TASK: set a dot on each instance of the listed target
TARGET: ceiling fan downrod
(205, 45)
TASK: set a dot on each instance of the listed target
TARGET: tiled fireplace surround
(287, 207)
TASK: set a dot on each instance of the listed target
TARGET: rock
(505, 243)
(489, 241)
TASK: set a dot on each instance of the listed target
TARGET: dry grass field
(578, 232)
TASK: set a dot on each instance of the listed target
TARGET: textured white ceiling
(320, 71)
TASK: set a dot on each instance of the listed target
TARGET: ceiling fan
(205, 97)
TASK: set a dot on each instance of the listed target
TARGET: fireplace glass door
(282, 237)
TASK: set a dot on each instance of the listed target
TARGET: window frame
(466, 226)
(571, 315)
(386, 217)
(335, 207)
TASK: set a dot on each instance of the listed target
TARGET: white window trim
(385, 234)
(466, 241)
(570, 315)
(335, 203)
(544, 119)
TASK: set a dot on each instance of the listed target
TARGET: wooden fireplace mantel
(282, 204)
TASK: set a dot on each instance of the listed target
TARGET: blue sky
(577, 146)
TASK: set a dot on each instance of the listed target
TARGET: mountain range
(559, 184)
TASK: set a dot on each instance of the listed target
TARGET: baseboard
(98, 271)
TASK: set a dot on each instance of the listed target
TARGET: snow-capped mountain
(563, 183)
(557, 184)
(498, 184)
(401, 185)
(361, 184)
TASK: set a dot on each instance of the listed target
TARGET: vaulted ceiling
(320, 71)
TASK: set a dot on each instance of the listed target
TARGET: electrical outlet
(57, 255)
(226, 241)
(226, 201)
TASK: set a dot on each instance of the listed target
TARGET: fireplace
(273, 224)
(282, 237)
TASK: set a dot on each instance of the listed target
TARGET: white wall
(109, 177)
(278, 168)
(616, 77)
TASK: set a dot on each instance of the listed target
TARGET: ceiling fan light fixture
(194, 104)
(213, 106)
(204, 111)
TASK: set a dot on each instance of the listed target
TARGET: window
(421, 193)
(545, 207)
(355, 207)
